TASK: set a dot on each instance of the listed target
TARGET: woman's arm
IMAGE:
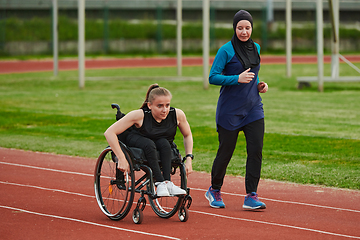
(134, 117)
(185, 130)
(223, 56)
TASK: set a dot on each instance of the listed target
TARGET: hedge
(39, 29)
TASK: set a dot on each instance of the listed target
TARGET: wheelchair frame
(115, 190)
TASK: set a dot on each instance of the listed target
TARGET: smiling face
(160, 107)
(243, 30)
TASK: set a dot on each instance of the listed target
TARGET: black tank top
(155, 130)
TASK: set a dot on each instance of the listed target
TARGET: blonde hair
(154, 91)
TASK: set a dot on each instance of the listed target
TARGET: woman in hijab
(239, 108)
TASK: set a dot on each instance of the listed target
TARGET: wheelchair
(115, 190)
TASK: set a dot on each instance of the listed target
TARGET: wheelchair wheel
(114, 190)
(183, 214)
(166, 207)
(137, 216)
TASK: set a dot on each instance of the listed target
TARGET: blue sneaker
(252, 202)
(214, 197)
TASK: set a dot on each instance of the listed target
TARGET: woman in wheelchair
(155, 125)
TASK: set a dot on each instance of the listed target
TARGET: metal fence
(187, 4)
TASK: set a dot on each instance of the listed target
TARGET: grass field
(311, 137)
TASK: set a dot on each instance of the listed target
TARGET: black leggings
(254, 134)
(150, 149)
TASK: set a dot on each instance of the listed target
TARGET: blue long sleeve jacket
(239, 103)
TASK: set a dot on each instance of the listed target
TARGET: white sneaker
(174, 190)
(162, 190)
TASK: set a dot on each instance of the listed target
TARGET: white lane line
(277, 224)
(47, 189)
(197, 189)
(289, 202)
(47, 169)
(87, 222)
(200, 212)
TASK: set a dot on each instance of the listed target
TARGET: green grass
(311, 137)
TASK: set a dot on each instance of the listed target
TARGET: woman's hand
(262, 87)
(246, 76)
(188, 166)
(123, 165)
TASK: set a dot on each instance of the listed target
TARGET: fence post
(179, 37)
(2, 29)
(55, 36)
(264, 28)
(320, 44)
(159, 28)
(206, 20)
(106, 28)
(212, 27)
(81, 42)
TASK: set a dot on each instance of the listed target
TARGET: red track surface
(45, 196)
(47, 65)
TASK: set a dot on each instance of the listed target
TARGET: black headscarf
(246, 52)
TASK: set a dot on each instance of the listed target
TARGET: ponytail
(155, 90)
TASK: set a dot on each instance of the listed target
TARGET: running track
(47, 65)
(46, 196)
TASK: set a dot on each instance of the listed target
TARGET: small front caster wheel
(183, 214)
(137, 216)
